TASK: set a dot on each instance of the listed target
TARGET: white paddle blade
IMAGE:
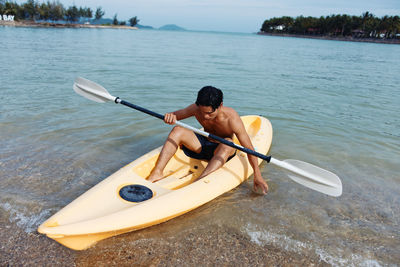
(92, 90)
(311, 176)
(314, 177)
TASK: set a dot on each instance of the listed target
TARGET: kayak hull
(101, 212)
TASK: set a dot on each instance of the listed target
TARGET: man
(216, 119)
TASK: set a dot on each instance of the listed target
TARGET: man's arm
(244, 139)
(181, 114)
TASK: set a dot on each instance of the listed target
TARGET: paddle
(301, 172)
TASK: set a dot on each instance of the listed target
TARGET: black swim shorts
(207, 149)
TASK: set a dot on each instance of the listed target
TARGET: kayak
(125, 201)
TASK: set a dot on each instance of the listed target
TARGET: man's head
(209, 96)
(209, 100)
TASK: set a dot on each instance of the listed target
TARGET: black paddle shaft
(154, 114)
(217, 138)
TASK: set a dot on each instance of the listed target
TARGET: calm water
(333, 104)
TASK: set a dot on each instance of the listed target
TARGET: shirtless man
(216, 119)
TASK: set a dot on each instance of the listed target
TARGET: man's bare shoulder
(232, 117)
(231, 113)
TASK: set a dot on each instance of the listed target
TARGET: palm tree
(365, 17)
(99, 13)
(133, 21)
(56, 10)
(73, 14)
(31, 9)
(396, 27)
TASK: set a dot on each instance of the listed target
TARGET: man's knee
(176, 131)
(178, 134)
(228, 149)
(224, 151)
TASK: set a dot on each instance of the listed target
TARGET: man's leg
(178, 136)
(221, 155)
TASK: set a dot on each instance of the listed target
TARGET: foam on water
(24, 219)
(265, 237)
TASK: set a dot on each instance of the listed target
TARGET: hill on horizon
(167, 27)
(171, 27)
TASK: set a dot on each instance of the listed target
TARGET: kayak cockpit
(179, 172)
(182, 170)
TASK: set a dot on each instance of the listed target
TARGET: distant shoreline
(33, 24)
(348, 39)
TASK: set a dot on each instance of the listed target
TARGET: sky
(230, 15)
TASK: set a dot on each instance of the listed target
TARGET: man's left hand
(260, 184)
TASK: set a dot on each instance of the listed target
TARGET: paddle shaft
(208, 135)
(301, 172)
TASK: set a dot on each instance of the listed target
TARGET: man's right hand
(170, 118)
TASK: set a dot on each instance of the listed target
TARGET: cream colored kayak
(101, 212)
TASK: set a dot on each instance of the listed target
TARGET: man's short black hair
(209, 96)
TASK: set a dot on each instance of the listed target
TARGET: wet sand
(157, 246)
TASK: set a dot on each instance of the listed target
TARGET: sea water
(333, 104)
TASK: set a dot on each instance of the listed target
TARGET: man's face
(208, 113)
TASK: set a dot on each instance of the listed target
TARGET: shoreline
(33, 24)
(346, 39)
(162, 245)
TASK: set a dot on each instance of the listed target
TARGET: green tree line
(365, 26)
(53, 11)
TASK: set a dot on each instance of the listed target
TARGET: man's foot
(155, 176)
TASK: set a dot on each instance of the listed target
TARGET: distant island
(171, 27)
(365, 28)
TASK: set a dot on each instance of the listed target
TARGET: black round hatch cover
(135, 193)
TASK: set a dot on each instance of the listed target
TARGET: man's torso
(221, 125)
